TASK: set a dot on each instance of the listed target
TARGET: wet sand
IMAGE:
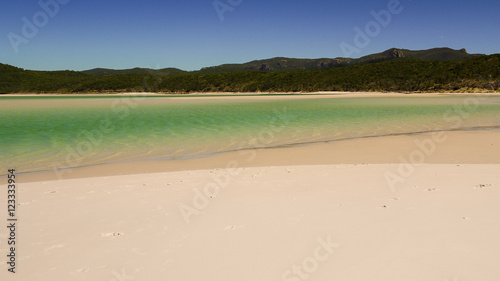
(451, 147)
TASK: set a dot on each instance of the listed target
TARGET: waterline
(43, 134)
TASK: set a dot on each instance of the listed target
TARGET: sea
(43, 133)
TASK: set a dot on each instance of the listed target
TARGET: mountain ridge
(392, 70)
(290, 64)
(282, 63)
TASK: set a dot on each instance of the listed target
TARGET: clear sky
(189, 34)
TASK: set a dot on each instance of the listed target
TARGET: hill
(287, 64)
(290, 64)
(393, 70)
(442, 54)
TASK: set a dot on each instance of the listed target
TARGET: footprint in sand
(233, 227)
(432, 189)
(162, 210)
(111, 234)
(482, 186)
(84, 269)
(26, 203)
(58, 246)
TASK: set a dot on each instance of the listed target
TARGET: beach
(405, 206)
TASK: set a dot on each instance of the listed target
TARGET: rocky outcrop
(282, 64)
(395, 53)
(265, 67)
(330, 63)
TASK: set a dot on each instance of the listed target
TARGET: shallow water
(40, 133)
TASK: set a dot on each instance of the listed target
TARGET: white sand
(283, 217)
(442, 223)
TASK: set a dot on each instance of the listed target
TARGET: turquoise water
(40, 133)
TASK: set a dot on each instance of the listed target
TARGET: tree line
(400, 75)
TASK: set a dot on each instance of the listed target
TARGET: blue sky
(189, 34)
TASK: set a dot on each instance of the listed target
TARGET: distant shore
(260, 94)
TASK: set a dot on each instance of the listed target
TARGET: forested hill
(290, 64)
(399, 70)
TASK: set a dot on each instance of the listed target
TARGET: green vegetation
(137, 70)
(290, 64)
(393, 70)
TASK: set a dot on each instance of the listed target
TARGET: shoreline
(337, 151)
(474, 147)
(258, 94)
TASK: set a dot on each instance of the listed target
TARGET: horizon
(70, 35)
